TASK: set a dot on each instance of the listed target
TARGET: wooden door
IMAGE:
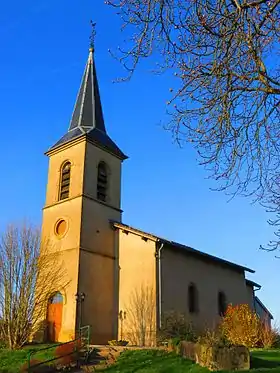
(54, 317)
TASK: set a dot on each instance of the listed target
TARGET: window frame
(64, 187)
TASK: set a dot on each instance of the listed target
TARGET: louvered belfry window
(65, 181)
(102, 182)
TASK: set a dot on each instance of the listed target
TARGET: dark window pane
(193, 298)
(222, 303)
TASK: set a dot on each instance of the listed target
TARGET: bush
(241, 326)
(268, 335)
(175, 326)
(214, 337)
(276, 343)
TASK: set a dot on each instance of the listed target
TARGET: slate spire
(88, 113)
(87, 118)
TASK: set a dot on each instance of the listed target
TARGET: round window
(60, 228)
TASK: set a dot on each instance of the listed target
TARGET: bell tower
(83, 196)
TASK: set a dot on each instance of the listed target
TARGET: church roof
(261, 305)
(182, 247)
(87, 118)
(252, 284)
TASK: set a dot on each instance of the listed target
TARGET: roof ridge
(179, 245)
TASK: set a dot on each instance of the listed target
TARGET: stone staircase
(101, 357)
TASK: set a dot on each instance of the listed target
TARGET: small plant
(241, 326)
(176, 341)
(118, 343)
(213, 337)
(175, 326)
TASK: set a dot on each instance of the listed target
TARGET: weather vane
(93, 34)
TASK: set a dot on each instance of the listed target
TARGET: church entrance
(54, 317)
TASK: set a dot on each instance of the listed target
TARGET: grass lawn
(152, 361)
(265, 359)
(143, 361)
(12, 361)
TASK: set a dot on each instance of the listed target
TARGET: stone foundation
(216, 357)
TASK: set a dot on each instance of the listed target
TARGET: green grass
(265, 359)
(142, 361)
(152, 361)
(12, 361)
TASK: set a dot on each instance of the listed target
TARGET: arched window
(65, 181)
(193, 298)
(57, 298)
(102, 181)
(222, 303)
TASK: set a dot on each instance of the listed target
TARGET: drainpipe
(159, 284)
(254, 292)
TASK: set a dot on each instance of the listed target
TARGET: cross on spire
(87, 118)
(92, 36)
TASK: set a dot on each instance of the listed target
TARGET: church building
(120, 280)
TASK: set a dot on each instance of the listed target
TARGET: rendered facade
(121, 275)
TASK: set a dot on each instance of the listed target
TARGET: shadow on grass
(258, 363)
(151, 361)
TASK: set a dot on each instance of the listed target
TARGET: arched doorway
(54, 317)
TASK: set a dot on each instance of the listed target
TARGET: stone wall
(215, 357)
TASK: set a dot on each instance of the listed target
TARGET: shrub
(214, 337)
(175, 325)
(241, 326)
(276, 343)
(175, 341)
(268, 335)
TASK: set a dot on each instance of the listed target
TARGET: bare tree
(29, 274)
(140, 323)
(225, 57)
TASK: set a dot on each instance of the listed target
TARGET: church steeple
(88, 113)
(87, 119)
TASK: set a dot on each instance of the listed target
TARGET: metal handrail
(75, 351)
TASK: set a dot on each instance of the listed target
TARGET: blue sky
(43, 49)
